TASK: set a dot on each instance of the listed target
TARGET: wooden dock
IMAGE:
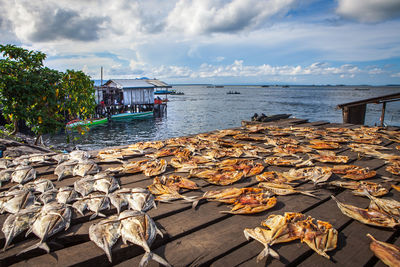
(206, 237)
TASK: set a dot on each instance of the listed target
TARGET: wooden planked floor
(206, 237)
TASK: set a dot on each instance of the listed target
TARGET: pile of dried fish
(319, 236)
(244, 200)
(135, 227)
(167, 188)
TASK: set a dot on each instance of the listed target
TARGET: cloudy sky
(213, 41)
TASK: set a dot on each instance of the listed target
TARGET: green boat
(89, 123)
(128, 116)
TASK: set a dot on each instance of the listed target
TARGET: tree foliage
(42, 97)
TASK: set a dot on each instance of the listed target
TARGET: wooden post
(383, 113)
(354, 114)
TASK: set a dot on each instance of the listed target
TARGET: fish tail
(107, 249)
(266, 252)
(9, 238)
(41, 245)
(151, 256)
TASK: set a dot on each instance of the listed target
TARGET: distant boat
(219, 86)
(264, 85)
(177, 93)
(136, 115)
(89, 123)
(361, 89)
(233, 93)
(164, 92)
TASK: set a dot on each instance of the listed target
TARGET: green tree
(40, 96)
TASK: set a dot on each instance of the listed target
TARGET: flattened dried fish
(66, 195)
(5, 175)
(65, 169)
(315, 174)
(97, 202)
(16, 200)
(85, 185)
(155, 167)
(359, 187)
(53, 218)
(283, 189)
(23, 174)
(85, 167)
(41, 185)
(18, 223)
(136, 198)
(138, 228)
(105, 183)
(367, 216)
(388, 253)
(353, 172)
(105, 234)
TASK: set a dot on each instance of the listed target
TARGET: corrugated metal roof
(158, 83)
(131, 83)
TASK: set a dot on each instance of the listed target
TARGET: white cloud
(217, 16)
(369, 10)
(396, 75)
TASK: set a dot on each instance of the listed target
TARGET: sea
(204, 108)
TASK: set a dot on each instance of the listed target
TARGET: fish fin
(308, 193)
(94, 215)
(195, 203)
(159, 232)
(8, 239)
(160, 260)
(107, 249)
(41, 245)
(28, 232)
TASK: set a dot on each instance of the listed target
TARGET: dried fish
(272, 177)
(367, 216)
(5, 163)
(105, 234)
(48, 196)
(105, 183)
(244, 201)
(282, 161)
(79, 155)
(41, 185)
(321, 237)
(217, 176)
(138, 228)
(136, 198)
(97, 202)
(283, 189)
(329, 157)
(66, 195)
(52, 218)
(359, 187)
(16, 200)
(390, 206)
(388, 253)
(315, 174)
(23, 174)
(167, 189)
(156, 167)
(85, 185)
(5, 175)
(18, 223)
(85, 167)
(353, 172)
(65, 169)
(322, 144)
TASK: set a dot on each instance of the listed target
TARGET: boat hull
(129, 116)
(88, 123)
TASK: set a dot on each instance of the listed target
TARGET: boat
(164, 92)
(89, 122)
(136, 115)
(233, 93)
(177, 93)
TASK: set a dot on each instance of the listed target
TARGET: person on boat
(158, 100)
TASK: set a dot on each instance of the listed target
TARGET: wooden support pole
(383, 113)
(354, 114)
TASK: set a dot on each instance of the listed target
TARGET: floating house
(128, 95)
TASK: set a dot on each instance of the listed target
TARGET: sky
(213, 41)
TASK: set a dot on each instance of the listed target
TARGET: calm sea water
(203, 109)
